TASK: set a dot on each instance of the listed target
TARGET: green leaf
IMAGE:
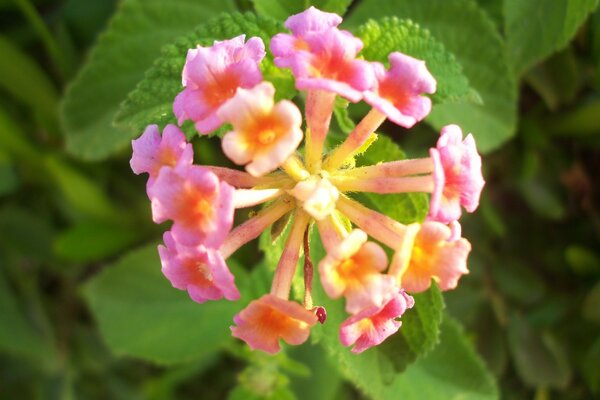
(429, 377)
(23, 78)
(139, 314)
(80, 192)
(583, 261)
(405, 208)
(419, 333)
(392, 34)
(281, 9)
(558, 80)
(9, 181)
(467, 32)
(118, 62)
(17, 334)
(591, 305)
(539, 358)
(536, 28)
(591, 367)
(93, 241)
(451, 370)
(14, 141)
(152, 100)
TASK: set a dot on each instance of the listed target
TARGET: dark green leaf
(281, 9)
(23, 78)
(536, 28)
(591, 305)
(118, 62)
(419, 333)
(539, 358)
(468, 33)
(17, 334)
(152, 100)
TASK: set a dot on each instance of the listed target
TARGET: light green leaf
(537, 28)
(281, 9)
(467, 32)
(93, 241)
(118, 62)
(139, 314)
(152, 100)
(405, 208)
(392, 34)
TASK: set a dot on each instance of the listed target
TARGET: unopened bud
(321, 314)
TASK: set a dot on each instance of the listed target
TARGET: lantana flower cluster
(223, 84)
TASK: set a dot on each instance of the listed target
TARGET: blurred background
(70, 209)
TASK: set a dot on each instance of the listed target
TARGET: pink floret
(398, 92)
(151, 151)
(372, 326)
(325, 60)
(211, 76)
(267, 320)
(200, 271)
(457, 175)
(200, 206)
(312, 20)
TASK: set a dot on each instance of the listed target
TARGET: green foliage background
(86, 313)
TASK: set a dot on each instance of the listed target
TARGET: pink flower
(353, 269)
(457, 175)
(151, 151)
(269, 319)
(373, 325)
(200, 206)
(199, 270)
(309, 21)
(398, 92)
(312, 20)
(325, 60)
(430, 252)
(212, 75)
(264, 134)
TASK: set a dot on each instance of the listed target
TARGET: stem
(282, 282)
(241, 179)
(355, 139)
(251, 197)
(392, 169)
(319, 108)
(308, 272)
(295, 169)
(407, 184)
(376, 225)
(252, 228)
